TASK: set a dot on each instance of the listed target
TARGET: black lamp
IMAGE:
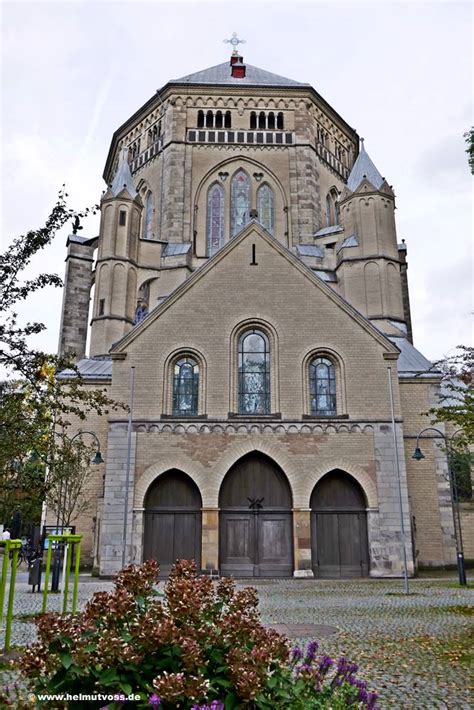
(418, 454)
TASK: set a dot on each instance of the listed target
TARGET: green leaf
(66, 660)
(126, 688)
(108, 676)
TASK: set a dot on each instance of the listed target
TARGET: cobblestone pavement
(413, 650)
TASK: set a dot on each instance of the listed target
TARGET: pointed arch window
(240, 201)
(185, 387)
(266, 207)
(148, 221)
(254, 373)
(328, 210)
(215, 219)
(322, 384)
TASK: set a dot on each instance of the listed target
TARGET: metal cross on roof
(234, 41)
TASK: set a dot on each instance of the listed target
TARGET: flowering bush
(193, 647)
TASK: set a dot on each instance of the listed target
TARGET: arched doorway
(172, 520)
(339, 545)
(255, 528)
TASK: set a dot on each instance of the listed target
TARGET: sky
(400, 73)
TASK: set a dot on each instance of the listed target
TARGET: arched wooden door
(172, 521)
(339, 544)
(255, 528)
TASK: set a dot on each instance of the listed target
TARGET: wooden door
(339, 543)
(172, 521)
(256, 520)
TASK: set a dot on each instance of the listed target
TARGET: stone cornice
(155, 426)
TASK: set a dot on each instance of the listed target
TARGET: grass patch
(467, 610)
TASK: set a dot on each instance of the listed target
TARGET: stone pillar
(76, 296)
(302, 542)
(111, 541)
(210, 538)
(384, 527)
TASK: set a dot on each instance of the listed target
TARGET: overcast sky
(400, 73)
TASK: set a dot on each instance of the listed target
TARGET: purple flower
(304, 667)
(311, 651)
(342, 666)
(296, 654)
(363, 695)
(217, 705)
(371, 700)
(325, 664)
(154, 700)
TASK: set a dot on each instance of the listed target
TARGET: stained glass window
(240, 205)
(266, 208)
(185, 387)
(215, 219)
(322, 384)
(147, 225)
(254, 373)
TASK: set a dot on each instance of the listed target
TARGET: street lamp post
(418, 455)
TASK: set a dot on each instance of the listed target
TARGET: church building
(247, 296)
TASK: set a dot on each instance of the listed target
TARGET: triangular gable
(254, 227)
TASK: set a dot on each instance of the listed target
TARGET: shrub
(193, 647)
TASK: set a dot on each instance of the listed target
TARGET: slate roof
(333, 229)
(221, 74)
(351, 241)
(364, 168)
(329, 276)
(174, 249)
(310, 250)
(90, 369)
(411, 361)
(123, 176)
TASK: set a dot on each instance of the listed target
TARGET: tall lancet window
(240, 201)
(185, 387)
(254, 373)
(322, 383)
(266, 208)
(147, 223)
(215, 219)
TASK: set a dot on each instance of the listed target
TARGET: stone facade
(316, 271)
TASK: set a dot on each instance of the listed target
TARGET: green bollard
(15, 545)
(66, 575)
(3, 582)
(46, 575)
(76, 576)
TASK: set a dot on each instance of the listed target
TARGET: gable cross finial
(234, 41)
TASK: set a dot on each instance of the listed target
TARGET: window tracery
(215, 219)
(266, 207)
(240, 201)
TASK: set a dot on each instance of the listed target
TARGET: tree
(456, 398)
(469, 136)
(68, 473)
(456, 407)
(34, 402)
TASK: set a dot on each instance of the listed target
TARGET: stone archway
(255, 521)
(339, 542)
(173, 520)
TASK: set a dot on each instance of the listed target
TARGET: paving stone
(391, 636)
